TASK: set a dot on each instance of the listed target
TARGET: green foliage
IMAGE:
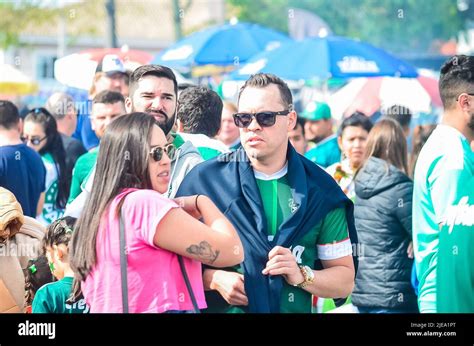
(15, 16)
(395, 25)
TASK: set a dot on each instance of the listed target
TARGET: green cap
(315, 111)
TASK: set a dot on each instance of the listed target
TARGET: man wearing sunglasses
(443, 198)
(295, 223)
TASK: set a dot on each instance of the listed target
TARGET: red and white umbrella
(369, 95)
(78, 69)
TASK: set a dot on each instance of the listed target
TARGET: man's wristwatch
(308, 276)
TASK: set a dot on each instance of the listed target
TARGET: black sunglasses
(33, 140)
(264, 119)
(157, 152)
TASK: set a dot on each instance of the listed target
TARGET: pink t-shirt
(155, 282)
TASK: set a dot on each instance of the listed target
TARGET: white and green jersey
(328, 240)
(50, 213)
(207, 147)
(443, 218)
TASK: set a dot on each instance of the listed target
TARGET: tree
(399, 26)
(15, 16)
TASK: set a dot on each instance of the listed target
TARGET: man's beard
(166, 125)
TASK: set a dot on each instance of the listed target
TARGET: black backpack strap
(188, 284)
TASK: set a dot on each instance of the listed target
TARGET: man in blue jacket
(294, 221)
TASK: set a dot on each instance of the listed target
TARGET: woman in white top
(352, 138)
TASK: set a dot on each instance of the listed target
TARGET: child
(37, 274)
(51, 298)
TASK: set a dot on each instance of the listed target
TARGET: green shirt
(82, 169)
(443, 217)
(208, 153)
(50, 211)
(51, 298)
(329, 239)
(279, 205)
(325, 153)
(207, 147)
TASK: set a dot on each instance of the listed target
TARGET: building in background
(140, 24)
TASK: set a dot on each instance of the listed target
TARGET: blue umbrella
(324, 58)
(229, 44)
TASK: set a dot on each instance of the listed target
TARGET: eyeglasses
(33, 140)
(157, 152)
(264, 119)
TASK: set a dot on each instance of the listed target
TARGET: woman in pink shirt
(133, 168)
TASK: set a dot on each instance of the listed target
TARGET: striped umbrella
(369, 95)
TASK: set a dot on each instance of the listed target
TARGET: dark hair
(184, 86)
(123, 160)
(108, 97)
(9, 115)
(356, 119)
(200, 111)
(299, 121)
(151, 70)
(457, 76)
(421, 133)
(387, 142)
(261, 80)
(400, 114)
(54, 146)
(59, 232)
(37, 273)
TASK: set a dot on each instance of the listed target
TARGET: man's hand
(230, 285)
(283, 262)
(410, 250)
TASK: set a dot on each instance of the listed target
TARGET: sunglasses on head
(41, 110)
(33, 140)
(264, 119)
(157, 152)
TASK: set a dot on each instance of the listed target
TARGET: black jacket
(382, 212)
(73, 149)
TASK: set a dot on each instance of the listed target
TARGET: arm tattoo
(204, 251)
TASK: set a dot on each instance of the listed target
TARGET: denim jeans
(372, 310)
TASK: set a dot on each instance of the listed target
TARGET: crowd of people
(151, 197)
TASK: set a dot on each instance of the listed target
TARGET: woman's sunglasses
(33, 140)
(157, 152)
(264, 119)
